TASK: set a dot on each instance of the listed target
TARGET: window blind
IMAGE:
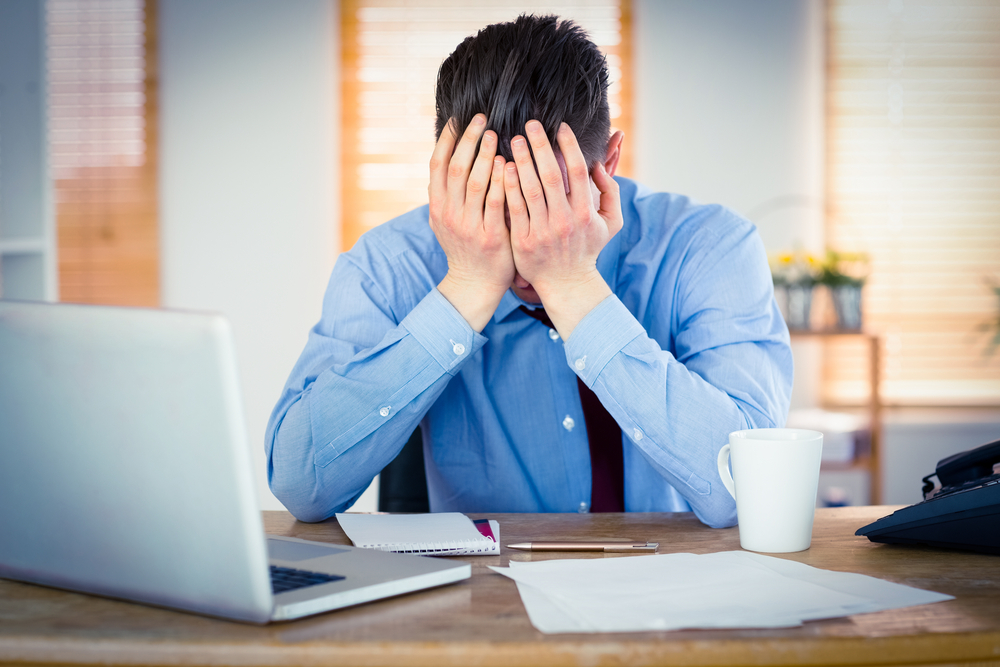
(101, 59)
(391, 53)
(914, 181)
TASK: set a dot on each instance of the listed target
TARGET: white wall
(248, 176)
(729, 109)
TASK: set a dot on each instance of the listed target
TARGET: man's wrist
(475, 301)
(568, 302)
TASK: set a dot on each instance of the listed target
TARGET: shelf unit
(872, 462)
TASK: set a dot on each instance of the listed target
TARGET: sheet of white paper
(674, 591)
(544, 614)
(881, 594)
(643, 593)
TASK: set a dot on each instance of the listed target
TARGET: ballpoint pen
(597, 545)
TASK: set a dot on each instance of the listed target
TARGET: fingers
(531, 187)
(461, 160)
(610, 204)
(480, 176)
(438, 187)
(576, 167)
(516, 207)
(456, 181)
(493, 218)
(549, 172)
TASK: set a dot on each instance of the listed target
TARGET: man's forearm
(678, 416)
(327, 438)
(314, 480)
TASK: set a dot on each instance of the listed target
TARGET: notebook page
(445, 533)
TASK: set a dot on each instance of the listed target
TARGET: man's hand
(558, 225)
(466, 195)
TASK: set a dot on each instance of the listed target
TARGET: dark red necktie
(606, 465)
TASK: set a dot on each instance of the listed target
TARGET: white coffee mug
(774, 482)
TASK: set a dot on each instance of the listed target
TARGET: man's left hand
(560, 222)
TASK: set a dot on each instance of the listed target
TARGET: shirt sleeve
(360, 387)
(730, 366)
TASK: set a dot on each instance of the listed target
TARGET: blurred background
(218, 155)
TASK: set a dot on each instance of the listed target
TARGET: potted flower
(844, 274)
(794, 274)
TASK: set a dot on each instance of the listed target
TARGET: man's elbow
(309, 514)
(719, 511)
(299, 495)
(306, 496)
(291, 474)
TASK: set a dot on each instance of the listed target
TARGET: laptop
(125, 471)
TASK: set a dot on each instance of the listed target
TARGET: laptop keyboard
(288, 579)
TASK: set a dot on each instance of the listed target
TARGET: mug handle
(727, 478)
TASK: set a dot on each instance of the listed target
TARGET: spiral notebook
(440, 534)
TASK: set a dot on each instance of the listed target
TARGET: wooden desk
(482, 621)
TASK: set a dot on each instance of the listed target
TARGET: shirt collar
(508, 304)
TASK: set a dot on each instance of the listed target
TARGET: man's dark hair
(536, 67)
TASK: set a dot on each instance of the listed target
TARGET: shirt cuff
(442, 331)
(599, 336)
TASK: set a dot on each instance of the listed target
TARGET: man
(657, 317)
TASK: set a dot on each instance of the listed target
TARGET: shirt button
(581, 363)
(636, 434)
(385, 411)
(584, 508)
(568, 423)
(553, 334)
(459, 349)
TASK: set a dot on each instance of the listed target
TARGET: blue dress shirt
(690, 347)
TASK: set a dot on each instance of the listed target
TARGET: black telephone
(964, 470)
(961, 511)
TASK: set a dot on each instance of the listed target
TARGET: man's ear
(614, 152)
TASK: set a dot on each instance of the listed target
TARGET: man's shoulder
(409, 231)
(402, 246)
(406, 235)
(654, 216)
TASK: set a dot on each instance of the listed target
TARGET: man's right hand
(466, 194)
